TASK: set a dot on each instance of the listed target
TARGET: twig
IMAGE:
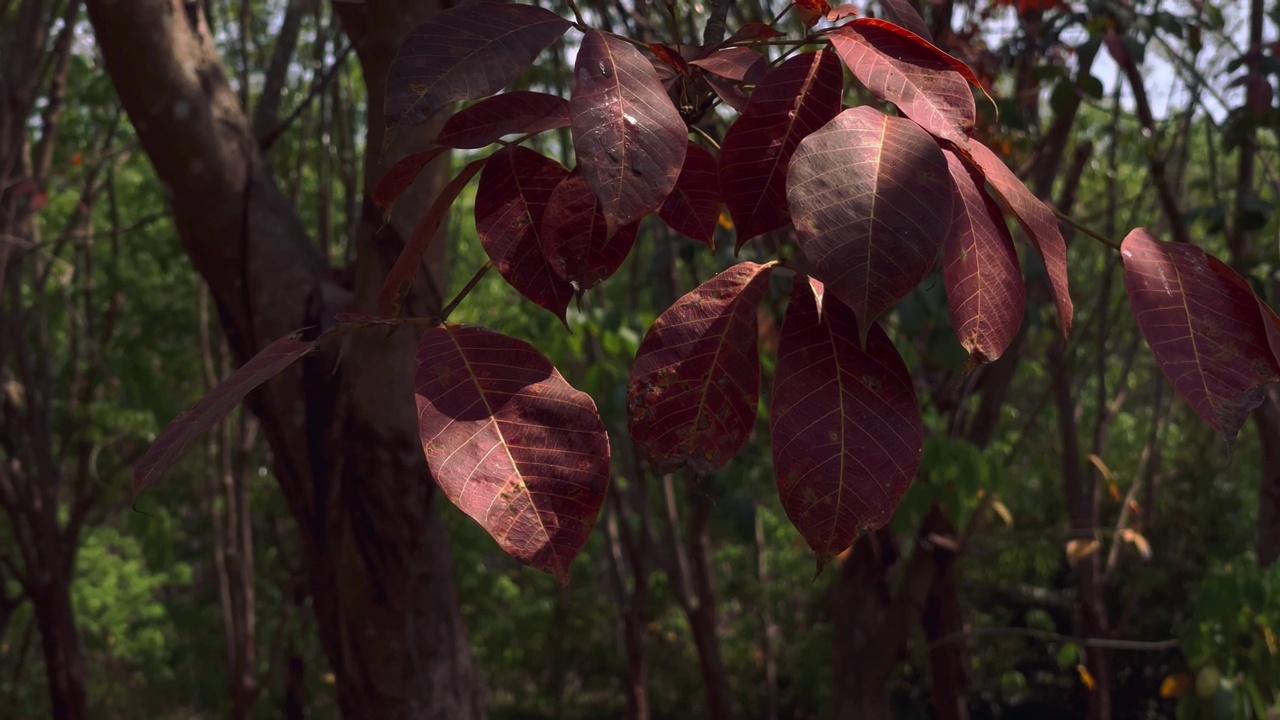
(1086, 230)
(317, 87)
(1088, 642)
(465, 291)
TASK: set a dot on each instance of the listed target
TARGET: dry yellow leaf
(1139, 542)
(1085, 677)
(1175, 686)
(1078, 550)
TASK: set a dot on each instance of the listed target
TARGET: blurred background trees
(180, 182)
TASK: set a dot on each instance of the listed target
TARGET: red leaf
(811, 11)
(1204, 327)
(629, 139)
(844, 424)
(695, 383)
(797, 98)
(904, 14)
(511, 443)
(402, 275)
(735, 63)
(729, 92)
(522, 112)
(511, 202)
(980, 267)
(1270, 321)
(1037, 221)
(576, 242)
(902, 68)
(693, 207)
(669, 56)
(871, 201)
(466, 52)
(172, 442)
(401, 175)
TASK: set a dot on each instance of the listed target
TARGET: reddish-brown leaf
(811, 11)
(402, 275)
(735, 63)
(511, 443)
(980, 268)
(629, 138)
(871, 199)
(693, 207)
(464, 53)
(844, 424)
(401, 175)
(1270, 321)
(575, 240)
(669, 55)
(1038, 222)
(797, 98)
(520, 112)
(172, 442)
(902, 68)
(729, 92)
(695, 383)
(511, 202)
(904, 14)
(1204, 326)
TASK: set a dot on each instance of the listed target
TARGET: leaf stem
(706, 136)
(465, 291)
(582, 24)
(1086, 230)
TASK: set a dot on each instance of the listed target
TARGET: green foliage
(1232, 645)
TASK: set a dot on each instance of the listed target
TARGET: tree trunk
(344, 445)
(59, 639)
(702, 614)
(1267, 418)
(860, 602)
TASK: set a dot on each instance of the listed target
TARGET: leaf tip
(821, 561)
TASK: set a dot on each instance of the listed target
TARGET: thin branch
(317, 87)
(1088, 642)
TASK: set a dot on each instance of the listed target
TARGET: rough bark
(343, 443)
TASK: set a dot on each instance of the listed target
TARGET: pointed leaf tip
(985, 293)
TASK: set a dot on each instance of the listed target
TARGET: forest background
(1076, 543)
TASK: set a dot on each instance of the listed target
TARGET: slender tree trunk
(344, 445)
(702, 616)
(59, 639)
(861, 601)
